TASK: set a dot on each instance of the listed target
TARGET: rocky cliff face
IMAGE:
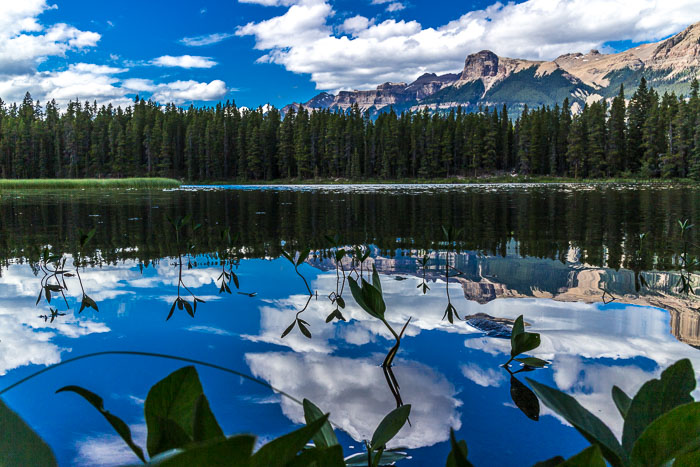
(489, 80)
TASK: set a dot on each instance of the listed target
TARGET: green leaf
(524, 399)
(458, 455)
(325, 437)
(235, 450)
(304, 330)
(375, 279)
(675, 433)
(390, 426)
(656, 397)
(302, 256)
(533, 362)
(691, 459)
(341, 302)
(205, 425)
(524, 342)
(90, 302)
(368, 298)
(373, 298)
(589, 457)
(590, 426)
(289, 329)
(518, 328)
(19, 444)
(281, 450)
(622, 401)
(117, 423)
(170, 402)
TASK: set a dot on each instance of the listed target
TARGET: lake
(595, 269)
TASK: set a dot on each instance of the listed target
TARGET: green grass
(455, 181)
(75, 183)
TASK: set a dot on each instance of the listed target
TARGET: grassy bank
(67, 183)
(454, 181)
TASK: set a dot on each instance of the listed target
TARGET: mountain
(490, 80)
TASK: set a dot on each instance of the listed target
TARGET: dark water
(569, 259)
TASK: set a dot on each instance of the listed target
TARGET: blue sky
(279, 51)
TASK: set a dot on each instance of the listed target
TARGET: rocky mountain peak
(480, 65)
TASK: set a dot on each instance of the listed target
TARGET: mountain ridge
(488, 79)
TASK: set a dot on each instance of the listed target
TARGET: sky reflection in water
(449, 373)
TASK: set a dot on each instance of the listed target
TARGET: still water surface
(568, 258)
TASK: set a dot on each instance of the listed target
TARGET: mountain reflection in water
(581, 292)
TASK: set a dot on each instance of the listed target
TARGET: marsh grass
(78, 183)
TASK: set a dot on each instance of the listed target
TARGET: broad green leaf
(390, 426)
(368, 298)
(325, 437)
(172, 401)
(518, 328)
(236, 450)
(373, 298)
(117, 423)
(288, 256)
(524, 342)
(533, 362)
(589, 457)
(590, 426)
(357, 295)
(524, 399)
(622, 401)
(341, 302)
(319, 457)
(388, 458)
(289, 329)
(690, 459)
(302, 256)
(673, 434)
(375, 279)
(280, 451)
(304, 330)
(458, 455)
(656, 397)
(205, 425)
(19, 444)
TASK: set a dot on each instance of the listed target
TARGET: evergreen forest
(646, 136)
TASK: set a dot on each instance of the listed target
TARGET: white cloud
(396, 6)
(187, 91)
(302, 40)
(25, 43)
(483, 377)
(208, 39)
(110, 449)
(356, 24)
(355, 392)
(270, 2)
(184, 61)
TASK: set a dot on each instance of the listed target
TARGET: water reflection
(599, 325)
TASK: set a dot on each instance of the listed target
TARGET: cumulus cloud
(354, 391)
(207, 39)
(302, 40)
(25, 43)
(184, 61)
(396, 6)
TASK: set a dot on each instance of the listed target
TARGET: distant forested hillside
(648, 136)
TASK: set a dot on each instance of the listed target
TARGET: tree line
(646, 136)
